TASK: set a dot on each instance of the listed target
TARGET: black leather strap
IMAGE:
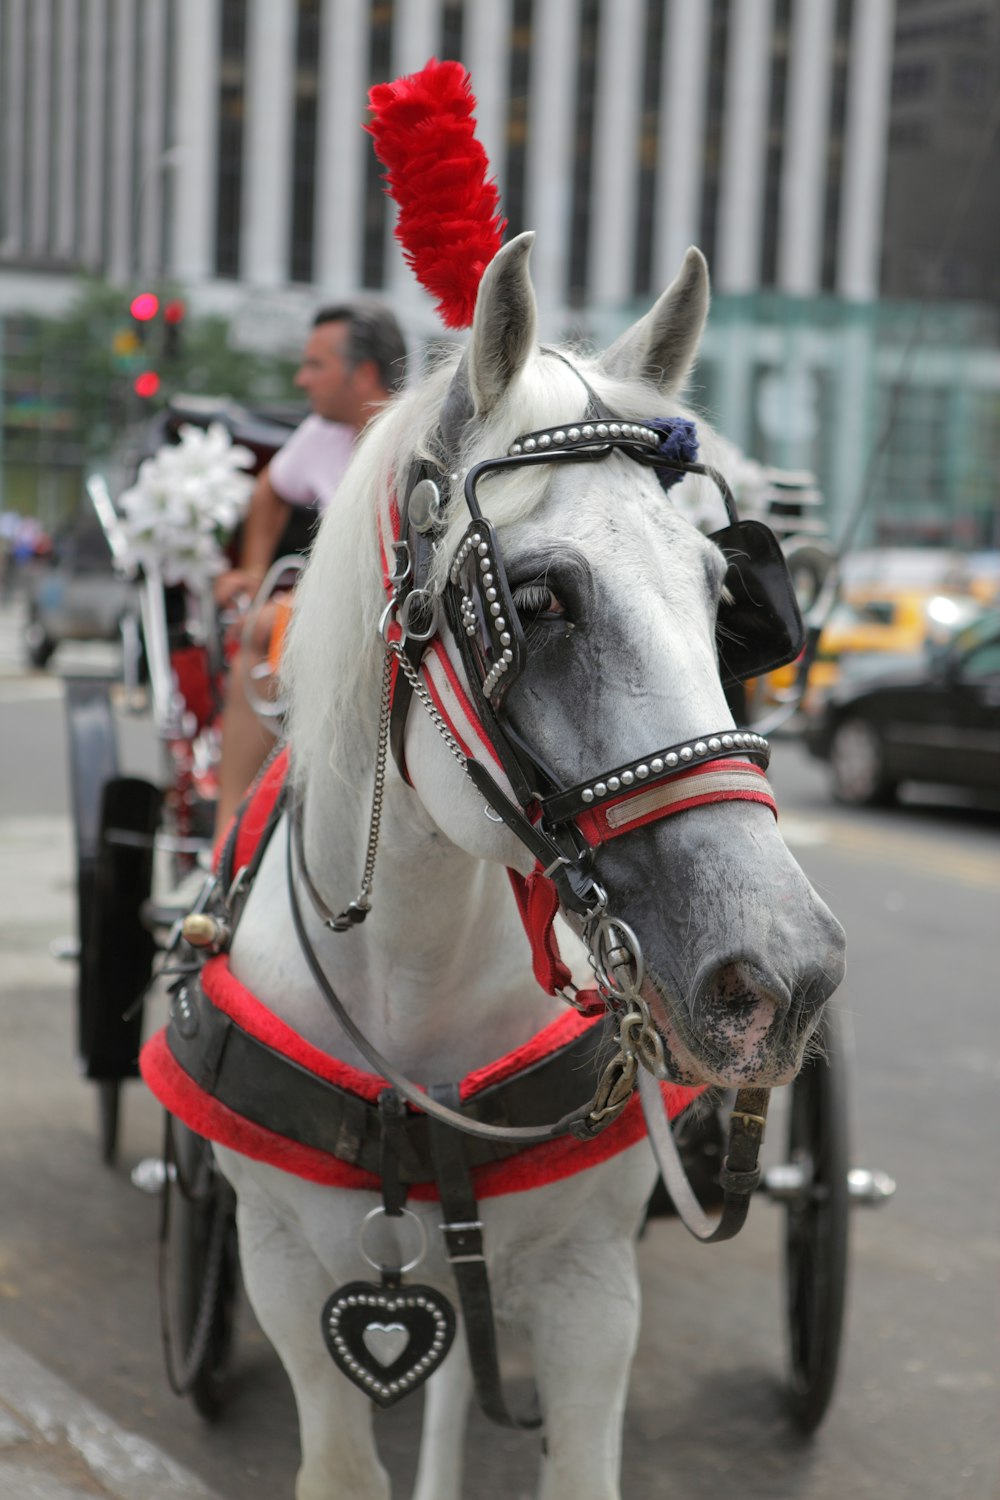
(740, 1172)
(463, 1235)
(271, 1090)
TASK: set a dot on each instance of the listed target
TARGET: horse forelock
(333, 656)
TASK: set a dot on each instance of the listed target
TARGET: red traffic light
(145, 306)
(147, 384)
(174, 311)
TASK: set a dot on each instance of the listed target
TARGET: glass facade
(120, 190)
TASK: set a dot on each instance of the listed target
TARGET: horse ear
(663, 344)
(504, 329)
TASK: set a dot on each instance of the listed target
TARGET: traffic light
(173, 319)
(144, 308)
(146, 384)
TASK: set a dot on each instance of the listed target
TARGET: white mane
(333, 657)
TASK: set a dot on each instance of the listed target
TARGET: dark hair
(375, 334)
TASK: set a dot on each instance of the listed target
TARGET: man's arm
(266, 518)
(263, 524)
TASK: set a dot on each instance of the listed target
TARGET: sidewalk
(56, 1445)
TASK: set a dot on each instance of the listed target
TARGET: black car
(933, 719)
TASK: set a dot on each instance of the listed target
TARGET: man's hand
(237, 587)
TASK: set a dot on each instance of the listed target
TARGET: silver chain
(395, 649)
(358, 908)
(378, 786)
(420, 691)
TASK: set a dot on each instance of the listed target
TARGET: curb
(56, 1445)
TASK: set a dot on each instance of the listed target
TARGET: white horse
(619, 596)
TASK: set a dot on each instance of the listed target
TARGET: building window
(775, 142)
(229, 183)
(714, 104)
(642, 271)
(909, 135)
(583, 153)
(517, 114)
(911, 80)
(972, 80)
(835, 149)
(307, 43)
(376, 204)
(452, 30)
(168, 180)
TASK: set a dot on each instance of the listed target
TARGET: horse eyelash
(532, 598)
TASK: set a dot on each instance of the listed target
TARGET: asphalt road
(915, 1417)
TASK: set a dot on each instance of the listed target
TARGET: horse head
(616, 599)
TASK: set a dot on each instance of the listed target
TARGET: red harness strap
(733, 780)
(538, 905)
(537, 900)
(254, 813)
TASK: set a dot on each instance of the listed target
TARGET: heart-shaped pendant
(386, 1342)
(387, 1339)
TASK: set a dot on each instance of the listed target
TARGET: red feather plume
(449, 224)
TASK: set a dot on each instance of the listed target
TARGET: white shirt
(308, 468)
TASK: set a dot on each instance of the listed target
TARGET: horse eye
(537, 601)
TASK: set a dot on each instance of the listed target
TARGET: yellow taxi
(869, 618)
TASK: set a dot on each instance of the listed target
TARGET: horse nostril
(742, 988)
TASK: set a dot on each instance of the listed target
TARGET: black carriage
(172, 668)
(136, 839)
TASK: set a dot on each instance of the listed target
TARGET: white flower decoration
(185, 504)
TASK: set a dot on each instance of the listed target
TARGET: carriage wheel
(199, 1274)
(93, 764)
(816, 1230)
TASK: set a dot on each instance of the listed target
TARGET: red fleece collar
(535, 1167)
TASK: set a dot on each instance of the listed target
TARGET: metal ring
(424, 506)
(265, 708)
(610, 933)
(378, 1265)
(425, 599)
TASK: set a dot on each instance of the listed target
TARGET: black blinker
(761, 628)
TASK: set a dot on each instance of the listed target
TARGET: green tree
(89, 357)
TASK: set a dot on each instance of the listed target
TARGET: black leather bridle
(759, 628)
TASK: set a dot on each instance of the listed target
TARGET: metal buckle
(404, 562)
(420, 599)
(468, 1235)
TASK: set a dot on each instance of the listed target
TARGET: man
(354, 361)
